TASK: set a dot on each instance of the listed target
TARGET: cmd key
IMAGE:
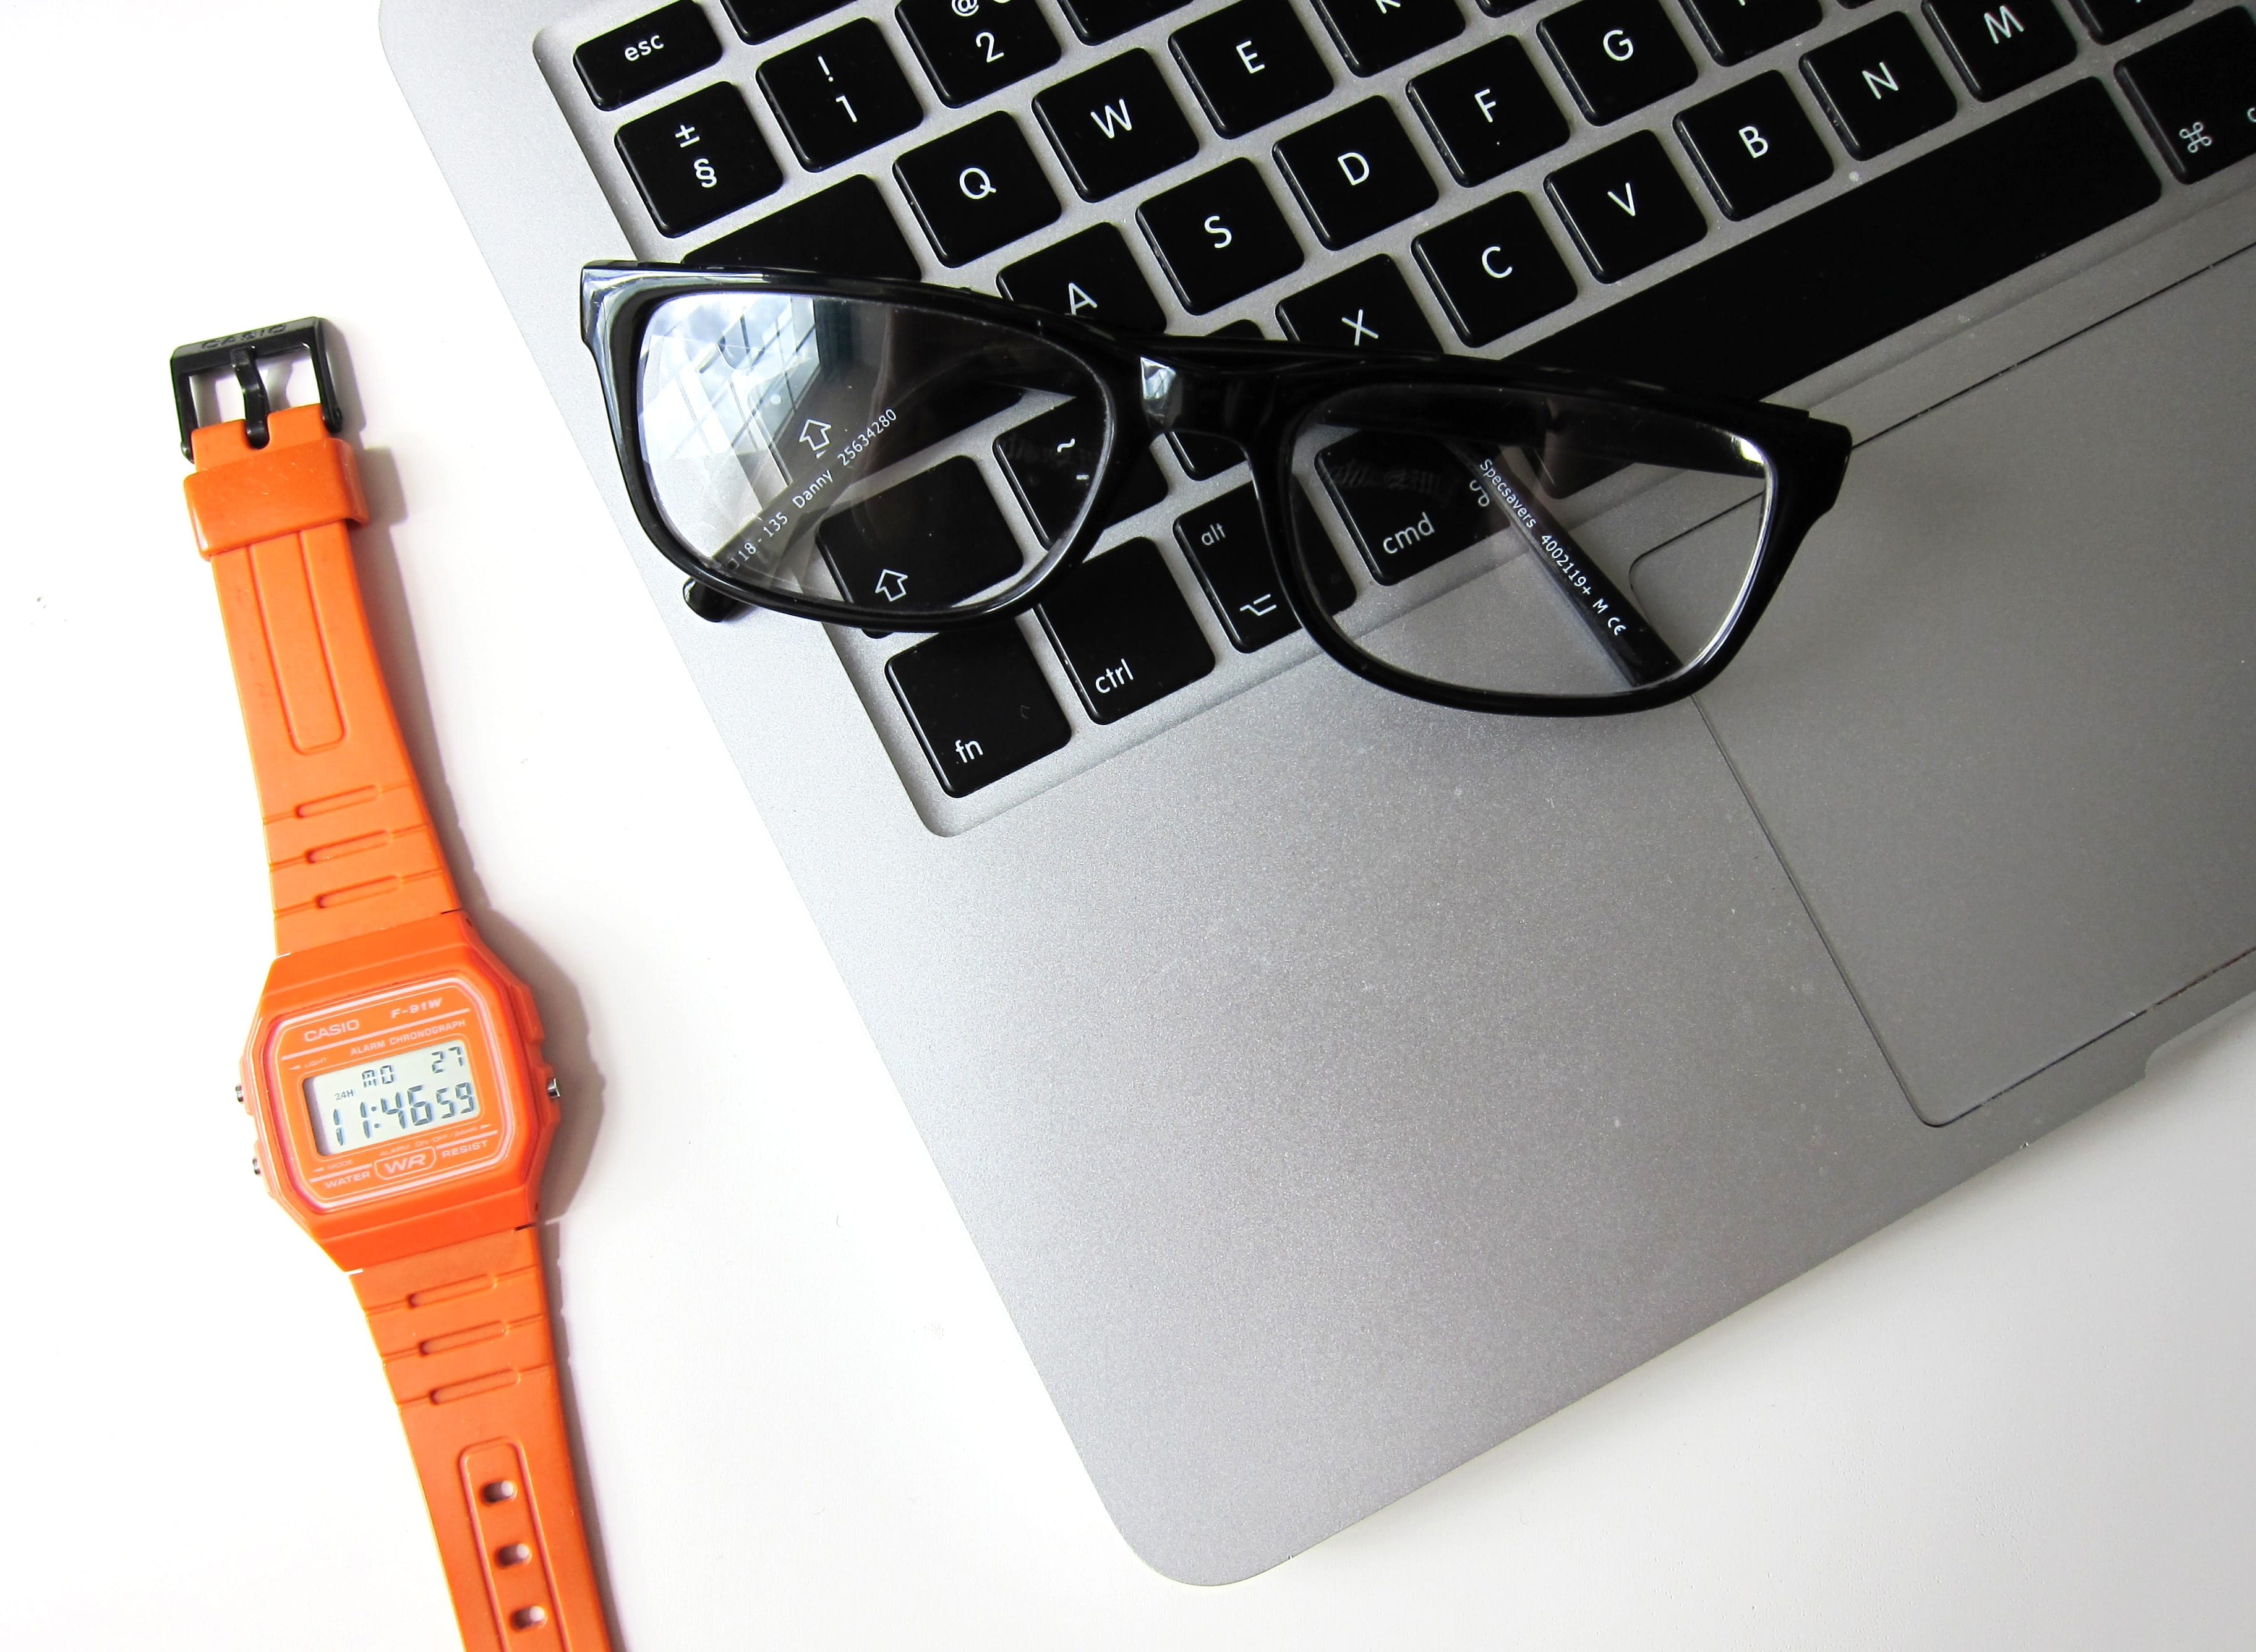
(2196, 94)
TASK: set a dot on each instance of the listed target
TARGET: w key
(1115, 125)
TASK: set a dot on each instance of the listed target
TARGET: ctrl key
(978, 703)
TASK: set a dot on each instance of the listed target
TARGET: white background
(2021, 1417)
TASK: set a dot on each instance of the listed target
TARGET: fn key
(978, 703)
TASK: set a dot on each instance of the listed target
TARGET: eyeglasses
(1521, 540)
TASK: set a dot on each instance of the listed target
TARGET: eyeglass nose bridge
(1202, 398)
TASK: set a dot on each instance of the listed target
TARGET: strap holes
(512, 1554)
(527, 1617)
(498, 1491)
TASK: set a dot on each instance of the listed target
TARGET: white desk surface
(2021, 1417)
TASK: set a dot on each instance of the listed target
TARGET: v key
(1626, 206)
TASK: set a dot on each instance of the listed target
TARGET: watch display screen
(398, 1094)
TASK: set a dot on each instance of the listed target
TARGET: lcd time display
(383, 1099)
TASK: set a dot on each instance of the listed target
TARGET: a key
(1849, 271)
(1407, 503)
(936, 539)
(1366, 307)
(1378, 34)
(1220, 236)
(1625, 206)
(978, 703)
(2196, 93)
(758, 20)
(2000, 45)
(1488, 111)
(632, 61)
(977, 189)
(1115, 125)
(1226, 547)
(847, 229)
(1735, 29)
(1754, 145)
(1123, 632)
(838, 95)
(2112, 19)
(1356, 172)
(970, 53)
(1051, 459)
(1494, 269)
(698, 160)
(1096, 21)
(1091, 275)
(1617, 56)
(1250, 64)
(1878, 87)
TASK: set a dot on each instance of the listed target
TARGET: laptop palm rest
(2001, 722)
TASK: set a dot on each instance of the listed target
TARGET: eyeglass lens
(855, 452)
(1529, 545)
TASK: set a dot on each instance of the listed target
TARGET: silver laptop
(1334, 1084)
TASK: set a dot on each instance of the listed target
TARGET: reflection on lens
(1531, 544)
(841, 449)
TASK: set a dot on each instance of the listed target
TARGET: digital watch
(394, 1068)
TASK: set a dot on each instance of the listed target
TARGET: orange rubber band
(348, 842)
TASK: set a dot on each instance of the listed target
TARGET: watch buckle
(241, 353)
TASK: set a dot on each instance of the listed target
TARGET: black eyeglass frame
(1257, 394)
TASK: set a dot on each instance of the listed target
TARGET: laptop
(1333, 1084)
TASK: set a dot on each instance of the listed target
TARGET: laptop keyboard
(1731, 195)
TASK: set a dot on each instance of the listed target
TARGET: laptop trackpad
(2001, 720)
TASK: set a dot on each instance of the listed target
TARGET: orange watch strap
(464, 1334)
(348, 843)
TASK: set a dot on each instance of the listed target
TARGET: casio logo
(331, 1030)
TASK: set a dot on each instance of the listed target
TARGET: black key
(968, 54)
(1494, 269)
(840, 94)
(1250, 64)
(1089, 275)
(1123, 632)
(623, 64)
(977, 189)
(1220, 236)
(2112, 19)
(1204, 456)
(1049, 459)
(847, 229)
(1407, 503)
(1378, 34)
(698, 160)
(1616, 55)
(1356, 172)
(1115, 125)
(765, 20)
(1879, 86)
(1735, 30)
(1367, 307)
(1825, 283)
(1099, 20)
(1225, 545)
(1488, 111)
(1625, 206)
(1754, 145)
(2000, 45)
(2196, 93)
(978, 703)
(937, 537)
